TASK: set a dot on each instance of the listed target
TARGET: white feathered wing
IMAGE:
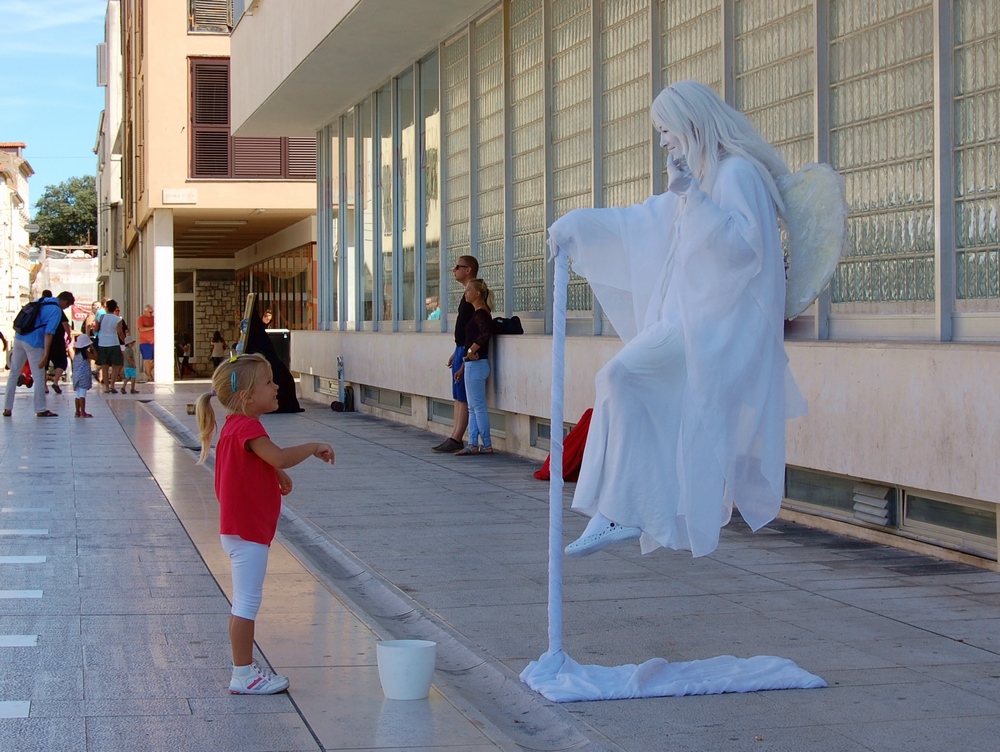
(815, 224)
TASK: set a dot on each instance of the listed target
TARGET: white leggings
(249, 565)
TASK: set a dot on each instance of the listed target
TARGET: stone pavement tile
(164, 683)
(168, 654)
(211, 707)
(849, 625)
(119, 707)
(863, 677)
(973, 734)
(316, 639)
(26, 679)
(474, 593)
(981, 679)
(980, 633)
(43, 734)
(342, 709)
(759, 739)
(881, 702)
(104, 602)
(267, 732)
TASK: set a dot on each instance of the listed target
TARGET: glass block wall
(488, 109)
(882, 141)
(455, 83)
(510, 166)
(977, 147)
(572, 129)
(527, 149)
(690, 37)
(626, 130)
(774, 62)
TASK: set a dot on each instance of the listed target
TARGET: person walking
(111, 335)
(145, 325)
(83, 377)
(475, 368)
(250, 480)
(466, 269)
(33, 347)
(218, 349)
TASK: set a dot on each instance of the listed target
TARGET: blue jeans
(476, 373)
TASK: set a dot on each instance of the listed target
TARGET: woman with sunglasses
(466, 269)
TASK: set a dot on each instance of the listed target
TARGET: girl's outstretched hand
(284, 481)
(324, 452)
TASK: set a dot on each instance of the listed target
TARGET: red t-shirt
(145, 338)
(246, 486)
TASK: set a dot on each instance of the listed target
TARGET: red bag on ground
(573, 446)
(26, 379)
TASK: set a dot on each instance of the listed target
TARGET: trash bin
(281, 339)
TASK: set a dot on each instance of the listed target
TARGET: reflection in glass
(430, 132)
(455, 87)
(350, 221)
(367, 208)
(335, 228)
(408, 194)
(385, 190)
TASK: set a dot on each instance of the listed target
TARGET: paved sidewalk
(909, 645)
(113, 625)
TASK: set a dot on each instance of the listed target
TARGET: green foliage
(66, 214)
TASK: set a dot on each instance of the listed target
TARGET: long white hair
(711, 129)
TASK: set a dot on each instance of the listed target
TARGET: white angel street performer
(689, 417)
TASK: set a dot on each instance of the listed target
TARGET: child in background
(250, 480)
(129, 364)
(83, 377)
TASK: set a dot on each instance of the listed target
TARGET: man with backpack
(35, 326)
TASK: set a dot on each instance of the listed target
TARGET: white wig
(711, 129)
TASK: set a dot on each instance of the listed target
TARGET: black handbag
(507, 326)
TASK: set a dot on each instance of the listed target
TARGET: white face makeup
(671, 143)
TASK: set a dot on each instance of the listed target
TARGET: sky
(49, 97)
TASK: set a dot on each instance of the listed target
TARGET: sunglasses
(460, 266)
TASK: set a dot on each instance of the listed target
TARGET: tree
(66, 214)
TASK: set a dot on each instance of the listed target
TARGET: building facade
(203, 216)
(471, 126)
(15, 245)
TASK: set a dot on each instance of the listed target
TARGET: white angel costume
(689, 416)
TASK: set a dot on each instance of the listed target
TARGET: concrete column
(162, 241)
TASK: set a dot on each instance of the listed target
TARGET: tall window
(977, 150)
(214, 153)
(367, 198)
(386, 188)
(882, 141)
(335, 177)
(455, 88)
(430, 138)
(408, 195)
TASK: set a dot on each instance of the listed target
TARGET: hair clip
(232, 381)
(212, 394)
(234, 357)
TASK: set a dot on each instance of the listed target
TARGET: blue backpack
(26, 320)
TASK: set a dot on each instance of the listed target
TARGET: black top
(465, 311)
(478, 332)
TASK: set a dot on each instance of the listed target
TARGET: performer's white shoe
(610, 533)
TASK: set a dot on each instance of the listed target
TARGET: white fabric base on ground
(559, 678)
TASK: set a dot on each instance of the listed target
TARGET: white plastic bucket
(406, 668)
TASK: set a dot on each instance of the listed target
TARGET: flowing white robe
(689, 416)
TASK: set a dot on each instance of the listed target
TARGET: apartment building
(205, 217)
(468, 126)
(15, 266)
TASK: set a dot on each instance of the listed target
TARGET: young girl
(476, 368)
(83, 377)
(249, 482)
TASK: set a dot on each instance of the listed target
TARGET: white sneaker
(590, 544)
(257, 681)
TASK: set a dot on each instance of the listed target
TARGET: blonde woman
(475, 368)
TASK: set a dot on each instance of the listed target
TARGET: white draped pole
(556, 451)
